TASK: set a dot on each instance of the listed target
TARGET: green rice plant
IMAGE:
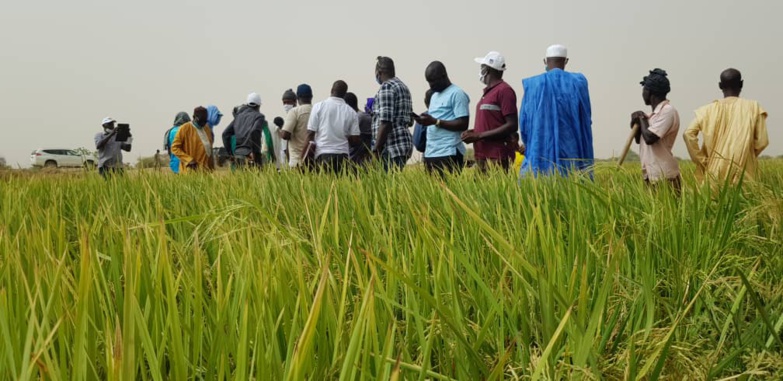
(272, 276)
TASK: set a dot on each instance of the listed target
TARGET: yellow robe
(734, 132)
(187, 146)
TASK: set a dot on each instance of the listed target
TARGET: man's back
(393, 104)
(296, 124)
(333, 121)
(556, 122)
(734, 133)
(247, 129)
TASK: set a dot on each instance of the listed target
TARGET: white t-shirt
(333, 121)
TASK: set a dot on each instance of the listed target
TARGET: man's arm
(101, 144)
(691, 137)
(227, 134)
(354, 131)
(502, 131)
(176, 147)
(760, 136)
(288, 126)
(644, 127)
(383, 133)
(385, 108)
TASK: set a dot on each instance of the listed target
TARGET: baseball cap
(254, 99)
(107, 120)
(494, 60)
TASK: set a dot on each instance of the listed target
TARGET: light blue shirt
(449, 104)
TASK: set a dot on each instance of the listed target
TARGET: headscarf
(181, 118)
(368, 106)
(656, 82)
(214, 116)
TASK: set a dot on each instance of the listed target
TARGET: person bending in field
(448, 115)
(658, 132)
(193, 143)
(734, 133)
(555, 122)
(246, 129)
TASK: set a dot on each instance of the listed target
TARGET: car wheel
(50, 164)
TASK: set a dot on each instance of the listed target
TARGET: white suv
(59, 157)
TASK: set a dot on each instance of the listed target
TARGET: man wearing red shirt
(496, 116)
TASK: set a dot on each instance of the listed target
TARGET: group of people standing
(553, 124)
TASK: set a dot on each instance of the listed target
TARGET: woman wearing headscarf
(181, 118)
(214, 116)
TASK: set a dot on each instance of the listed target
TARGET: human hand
(426, 120)
(470, 136)
(637, 117)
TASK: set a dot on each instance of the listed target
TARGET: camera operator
(109, 149)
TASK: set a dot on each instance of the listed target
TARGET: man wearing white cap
(109, 149)
(556, 123)
(496, 116)
(247, 128)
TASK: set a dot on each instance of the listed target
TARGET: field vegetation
(271, 276)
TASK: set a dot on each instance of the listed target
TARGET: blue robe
(555, 123)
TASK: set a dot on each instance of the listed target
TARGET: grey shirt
(111, 154)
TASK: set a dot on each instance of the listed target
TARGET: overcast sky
(67, 64)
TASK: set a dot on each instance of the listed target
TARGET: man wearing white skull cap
(555, 121)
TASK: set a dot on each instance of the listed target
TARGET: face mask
(287, 108)
(378, 79)
(197, 123)
(483, 76)
(107, 130)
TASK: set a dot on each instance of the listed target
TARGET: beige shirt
(733, 132)
(658, 162)
(296, 124)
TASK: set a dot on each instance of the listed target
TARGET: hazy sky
(67, 64)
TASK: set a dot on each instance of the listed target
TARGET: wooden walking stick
(628, 143)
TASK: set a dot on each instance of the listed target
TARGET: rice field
(267, 276)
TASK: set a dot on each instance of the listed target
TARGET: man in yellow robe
(734, 132)
(193, 144)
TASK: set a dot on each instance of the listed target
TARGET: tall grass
(288, 277)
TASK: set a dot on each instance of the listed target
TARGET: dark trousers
(675, 183)
(107, 172)
(441, 165)
(331, 162)
(246, 161)
(485, 164)
(394, 163)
